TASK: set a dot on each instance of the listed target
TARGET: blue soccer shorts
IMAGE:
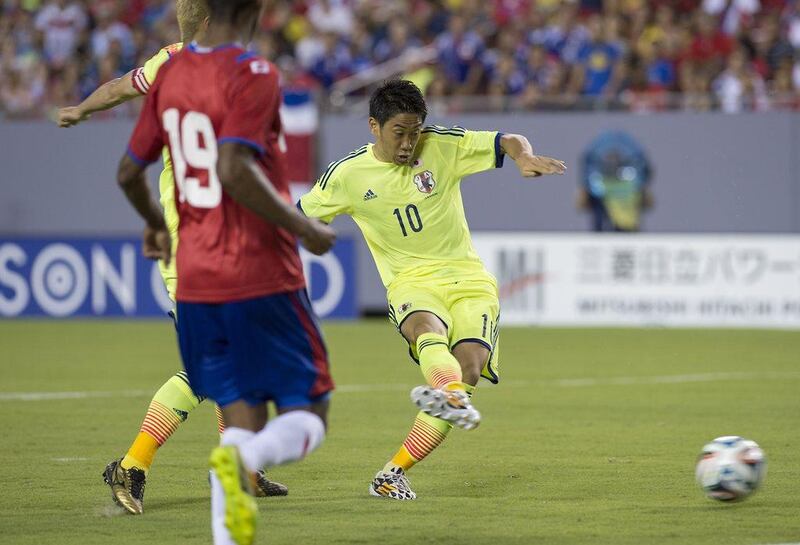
(263, 349)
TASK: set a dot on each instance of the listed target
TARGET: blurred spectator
(782, 89)
(361, 48)
(109, 30)
(563, 36)
(396, 42)
(460, 52)
(538, 66)
(335, 62)
(20, 97)
(61, 23)
(644, 93)
(770, 45)
(739, 86)
(697, 90)
(507, 81)
(331, 16)
(596, 72)
(710, 45)
(734, 12)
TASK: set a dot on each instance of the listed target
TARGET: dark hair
(396, 96)
(230, 10)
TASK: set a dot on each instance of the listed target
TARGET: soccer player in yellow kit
(173, 402)
(404, 194)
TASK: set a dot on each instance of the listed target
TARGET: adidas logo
(370, 195)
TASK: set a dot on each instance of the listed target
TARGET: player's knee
(421, 324)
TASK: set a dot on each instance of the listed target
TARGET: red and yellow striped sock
(438, 365)
(426, 434)
(169, 407)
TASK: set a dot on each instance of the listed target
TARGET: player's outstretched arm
(521, 152)
(133, 182)
(246, 183)
(108, 95)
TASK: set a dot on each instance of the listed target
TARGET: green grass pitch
(591, 437)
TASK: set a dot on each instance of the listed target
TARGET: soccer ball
(730, 468)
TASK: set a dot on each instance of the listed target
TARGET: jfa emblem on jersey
(424, 181)
(259, 67)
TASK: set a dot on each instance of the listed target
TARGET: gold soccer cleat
(127, 486)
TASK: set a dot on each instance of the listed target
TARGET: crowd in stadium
(733, 55)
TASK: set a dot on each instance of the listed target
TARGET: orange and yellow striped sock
(220, 421)
(426, 434)
(469, 389)
(169, 407)
(439, 367)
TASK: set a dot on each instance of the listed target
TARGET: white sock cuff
(235, 436)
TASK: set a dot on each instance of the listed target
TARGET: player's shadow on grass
(169, 503)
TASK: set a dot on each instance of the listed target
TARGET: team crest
(424, 181)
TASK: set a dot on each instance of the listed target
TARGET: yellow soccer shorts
(470, 309)
(170, 273)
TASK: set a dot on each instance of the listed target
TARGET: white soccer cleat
(392, 484)
(451, 406)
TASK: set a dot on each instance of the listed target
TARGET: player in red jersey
(246, 329)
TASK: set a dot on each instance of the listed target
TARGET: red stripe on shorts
(323, 383)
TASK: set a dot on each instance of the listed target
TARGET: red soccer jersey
(203, 98)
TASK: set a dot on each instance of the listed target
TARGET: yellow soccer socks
(169, 407)
(439, 367)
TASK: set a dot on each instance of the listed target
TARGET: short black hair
(396, 96)
(230, 10)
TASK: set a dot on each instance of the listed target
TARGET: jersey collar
(197, 48)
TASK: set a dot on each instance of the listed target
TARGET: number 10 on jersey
(412, 218)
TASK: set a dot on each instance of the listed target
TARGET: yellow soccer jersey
(412, 216)
(143, 78)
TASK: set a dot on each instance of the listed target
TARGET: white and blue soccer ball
(730, 468)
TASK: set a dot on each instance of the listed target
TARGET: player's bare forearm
(156, 240)
(514, 145)
(244, 181)
(108, 95)
(133, 182)
(520, 150)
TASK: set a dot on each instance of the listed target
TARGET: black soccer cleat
(265, 488)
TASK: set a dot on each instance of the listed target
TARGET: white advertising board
(664, 280)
